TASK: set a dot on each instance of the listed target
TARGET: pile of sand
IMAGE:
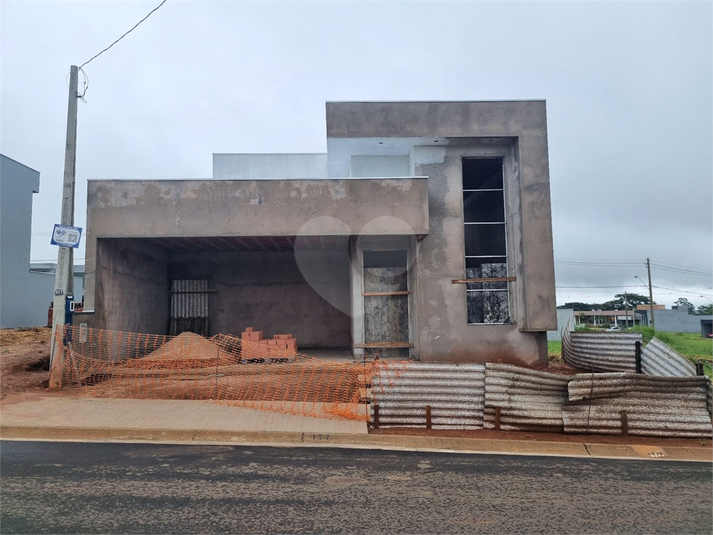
(188, 346)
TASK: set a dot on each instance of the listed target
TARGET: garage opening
(212, 285)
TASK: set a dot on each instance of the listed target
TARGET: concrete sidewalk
(208, 422)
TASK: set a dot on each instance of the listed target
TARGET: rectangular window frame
(483, 288)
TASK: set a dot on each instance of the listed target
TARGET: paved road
(50, 487)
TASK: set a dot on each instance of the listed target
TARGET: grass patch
(691, 345)
(554, 348)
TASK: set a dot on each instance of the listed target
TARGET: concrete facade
(278, 250)
(24, 296)
(679, 320)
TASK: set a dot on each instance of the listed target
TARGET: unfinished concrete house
(424, 232)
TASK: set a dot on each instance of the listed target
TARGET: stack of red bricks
(279, 345)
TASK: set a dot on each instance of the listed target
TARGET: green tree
(704, 310)
(682, 302)
(625, 301)
(579, 306)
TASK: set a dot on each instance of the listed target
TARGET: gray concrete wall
(380, 166)
(516, 131)
(132, 287)
(270, 292)
(678, 321)
(250, 208)
(22, 302)
(270, 166)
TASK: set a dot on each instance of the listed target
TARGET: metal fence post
(624, 424)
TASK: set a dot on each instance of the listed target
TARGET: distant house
(23, 300)
(680, 320)
(622, 318)
(424, 232)
(26, 289)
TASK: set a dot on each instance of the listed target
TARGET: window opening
(485, 240)
(190, 306)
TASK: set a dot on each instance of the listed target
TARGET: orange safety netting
(224, 368)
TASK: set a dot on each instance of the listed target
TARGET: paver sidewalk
(188, 421)
(170, 415)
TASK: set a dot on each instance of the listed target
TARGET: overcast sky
(628, 90)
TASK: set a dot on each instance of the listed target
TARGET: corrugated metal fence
(472, 396)
(661, 360)
(454, 392)
(528, 400)
(655, 406)
(600, 352)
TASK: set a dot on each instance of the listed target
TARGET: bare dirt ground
(24, 360)
(24, 374)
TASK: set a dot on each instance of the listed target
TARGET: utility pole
(64, 274)
(651, 295)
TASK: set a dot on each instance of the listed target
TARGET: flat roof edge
(152, 180)
(20, 163)
(269, 154)
(432, 101)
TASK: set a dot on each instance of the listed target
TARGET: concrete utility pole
(64, 275)
(651, 295)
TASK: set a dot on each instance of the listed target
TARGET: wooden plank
(366, 294)
(384, 344)
(484, 279)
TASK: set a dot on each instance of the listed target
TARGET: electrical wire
(601, 263)
(86, 85)
(674, 265)
(620, 286)
(692, 271)
(700, 294)
(674, 268)
(120, 38)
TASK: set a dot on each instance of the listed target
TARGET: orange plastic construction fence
(224, 368)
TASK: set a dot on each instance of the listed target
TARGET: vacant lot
(24, 360)
(691, 345)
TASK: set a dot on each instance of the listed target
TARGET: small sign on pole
(66, 236)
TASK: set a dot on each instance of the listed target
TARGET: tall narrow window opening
(485, 240)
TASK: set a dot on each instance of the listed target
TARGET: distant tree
(704, 310)
(579, 306)
(624, 301)
(682, 302)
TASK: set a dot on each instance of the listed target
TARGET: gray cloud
(628, 88)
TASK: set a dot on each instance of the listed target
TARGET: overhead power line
(700, 294)
(619, 286)
(674, 268)
(689, 271)
(127, 33)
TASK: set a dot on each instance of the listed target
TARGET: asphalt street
(60, 487)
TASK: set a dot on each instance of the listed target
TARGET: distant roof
(20, 163)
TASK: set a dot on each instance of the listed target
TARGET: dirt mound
(188, 346)
(24, 359)
(25, 335)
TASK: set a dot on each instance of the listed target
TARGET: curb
(347, 440)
